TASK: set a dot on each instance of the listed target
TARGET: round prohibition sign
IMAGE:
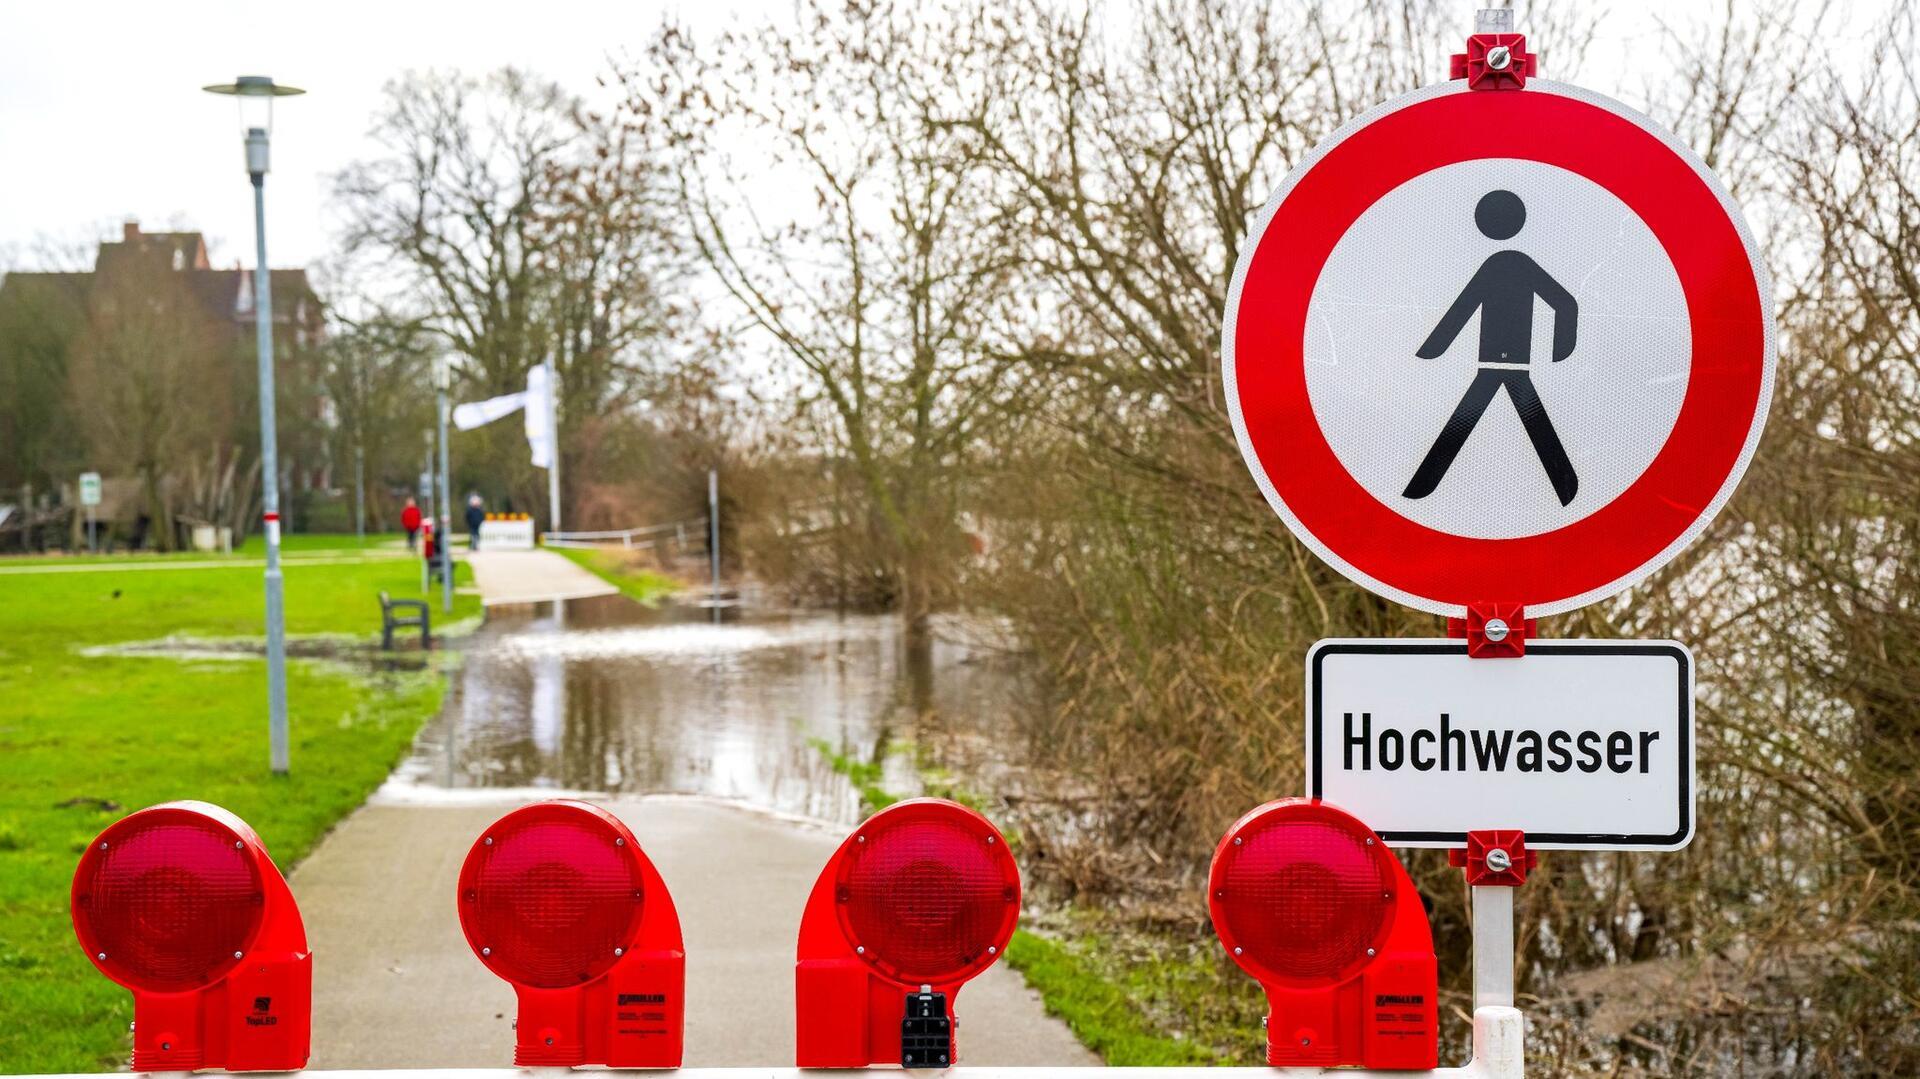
(1498, 346)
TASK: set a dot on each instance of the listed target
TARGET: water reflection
(606, 695)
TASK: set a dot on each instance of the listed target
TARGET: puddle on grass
(337, 650)
(606, 695)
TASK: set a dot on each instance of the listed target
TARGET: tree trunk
(159, 518)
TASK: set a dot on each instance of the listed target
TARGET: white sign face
(89, 488)
(1584, 745)
(508, 535)
(1394, 375)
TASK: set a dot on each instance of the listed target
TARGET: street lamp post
(255, 94)
(427, 487)
(442, 376)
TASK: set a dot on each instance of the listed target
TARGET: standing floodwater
(608, 696)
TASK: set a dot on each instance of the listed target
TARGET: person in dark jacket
(410, 520)
(475, 514)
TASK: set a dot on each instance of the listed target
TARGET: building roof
(230, 293)
(178, 250)
(226, 294)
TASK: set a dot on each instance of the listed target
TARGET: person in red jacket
(410, 520)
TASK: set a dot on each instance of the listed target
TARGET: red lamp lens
(1304, 896)
(166, 901)
(928, 897)
(547, 895)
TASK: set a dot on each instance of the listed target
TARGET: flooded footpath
(717, 743)
(763, 707)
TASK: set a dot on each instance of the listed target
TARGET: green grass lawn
(292, 547)
(623, 570)
(84, 740)
(255, 546)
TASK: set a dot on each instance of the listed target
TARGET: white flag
(539, 401)
(474, 414)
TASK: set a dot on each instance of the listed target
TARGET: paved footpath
(395, 985)
(531, 577)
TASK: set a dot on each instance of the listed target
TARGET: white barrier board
(508, 535)
(1584, 744)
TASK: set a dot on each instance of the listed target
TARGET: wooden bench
(390, 621)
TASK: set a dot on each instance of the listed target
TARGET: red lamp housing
(181, 904)
(919, 899)
(1313, 905)
(558, 899)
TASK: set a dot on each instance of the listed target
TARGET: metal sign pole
(425, 490)
(713, 526)
(553, 432)
(1496, 862)
(445, 552)
(1492, 945)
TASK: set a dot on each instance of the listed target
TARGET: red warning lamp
(181, 904)
(558, 899)
(919, 899)
(1312, 904)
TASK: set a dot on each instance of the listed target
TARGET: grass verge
(1100, 1012)
(863, 775)
(1147, 998)
(623, 570)
(85, 739)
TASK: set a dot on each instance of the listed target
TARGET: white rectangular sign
(1583, 744)
(89, 488)
(511, 534)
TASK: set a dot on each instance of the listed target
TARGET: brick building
(42, 314)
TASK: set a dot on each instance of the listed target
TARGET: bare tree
(378, 377)
(517, 228)
(880, 276)
(614, 269)
(450, 211)
(148, 380)
(40, 314)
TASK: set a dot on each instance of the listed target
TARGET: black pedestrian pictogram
(1502, 290)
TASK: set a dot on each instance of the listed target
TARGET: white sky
(102, 117)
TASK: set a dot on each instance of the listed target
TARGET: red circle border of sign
(1721, 416)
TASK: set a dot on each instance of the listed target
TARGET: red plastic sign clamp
(1494, 62)
(1496, 857)
(1495, 630)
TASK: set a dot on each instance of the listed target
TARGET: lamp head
(255, 94)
